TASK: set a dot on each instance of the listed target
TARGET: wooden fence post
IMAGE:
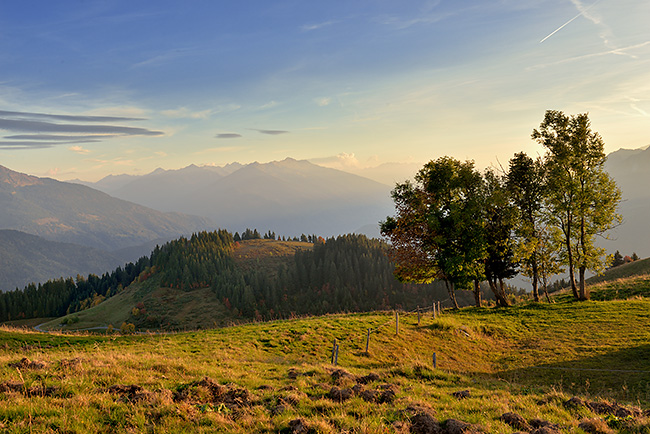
(418, 316)
(435, 362)
(396, 323)
(434, 310)
(439, 311)
(367, 341)
(336, 355)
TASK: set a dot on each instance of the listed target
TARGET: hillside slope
(73, 213)
(210, 281)
(565, 367)
(27, 258)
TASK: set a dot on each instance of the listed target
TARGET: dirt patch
(368, 378)
(210, 391)
(298, 426)
(539, 423)
(595, 426)
(339, 395)
(604, 408)
(454, 426)
(423, 422)
(131, 392)
(11, 386)
(462, 394)
(25, 363)
(545, 430)
(515, 421)
(35, 390)
(341, 375)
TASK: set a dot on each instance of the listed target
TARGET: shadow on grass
(620, 375)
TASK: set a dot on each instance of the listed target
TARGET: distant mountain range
(289, 197)
(66, 212)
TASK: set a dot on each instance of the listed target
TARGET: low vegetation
(545, 368)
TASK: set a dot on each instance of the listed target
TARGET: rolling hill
(73, 213)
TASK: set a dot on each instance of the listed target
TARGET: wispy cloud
(228, 136)
(271, 132)
(69, 118)
(339, 161)
(324, 101)
(163, 58)
(79, 150)
(45, 130)
(184, 112)
(624, 51)
(311, 27)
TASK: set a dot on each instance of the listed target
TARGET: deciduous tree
(582, 197)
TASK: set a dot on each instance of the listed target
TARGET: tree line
(342, 274)
(458, 225)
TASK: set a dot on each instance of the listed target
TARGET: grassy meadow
(528, 360)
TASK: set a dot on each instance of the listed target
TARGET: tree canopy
(456, 224)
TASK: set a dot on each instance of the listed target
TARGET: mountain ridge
(68, 212)
(288, 196)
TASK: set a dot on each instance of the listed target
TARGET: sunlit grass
(527, 359)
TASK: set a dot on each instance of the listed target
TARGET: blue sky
(94, 88)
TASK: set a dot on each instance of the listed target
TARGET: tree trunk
(477, 293)
(569, 251)
(503, 293)
(545, 287)
(535, 281)
(584, 294)
(500, 296)
(452, 294)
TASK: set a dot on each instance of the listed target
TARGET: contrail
(567, 23)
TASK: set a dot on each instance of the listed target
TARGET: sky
(92, 88)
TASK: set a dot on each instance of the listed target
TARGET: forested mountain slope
(209, 279)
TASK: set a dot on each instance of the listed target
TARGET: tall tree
(435, 233)
(526, 187)
(498, 225)
(582, 197)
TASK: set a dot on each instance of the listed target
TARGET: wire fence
(435, 308)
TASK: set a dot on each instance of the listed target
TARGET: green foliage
(582, 198)
(435, 233)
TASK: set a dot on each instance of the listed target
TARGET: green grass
(528, 359)
(630, 269)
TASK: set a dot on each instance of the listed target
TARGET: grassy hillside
(277, 376)
(630, 269)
